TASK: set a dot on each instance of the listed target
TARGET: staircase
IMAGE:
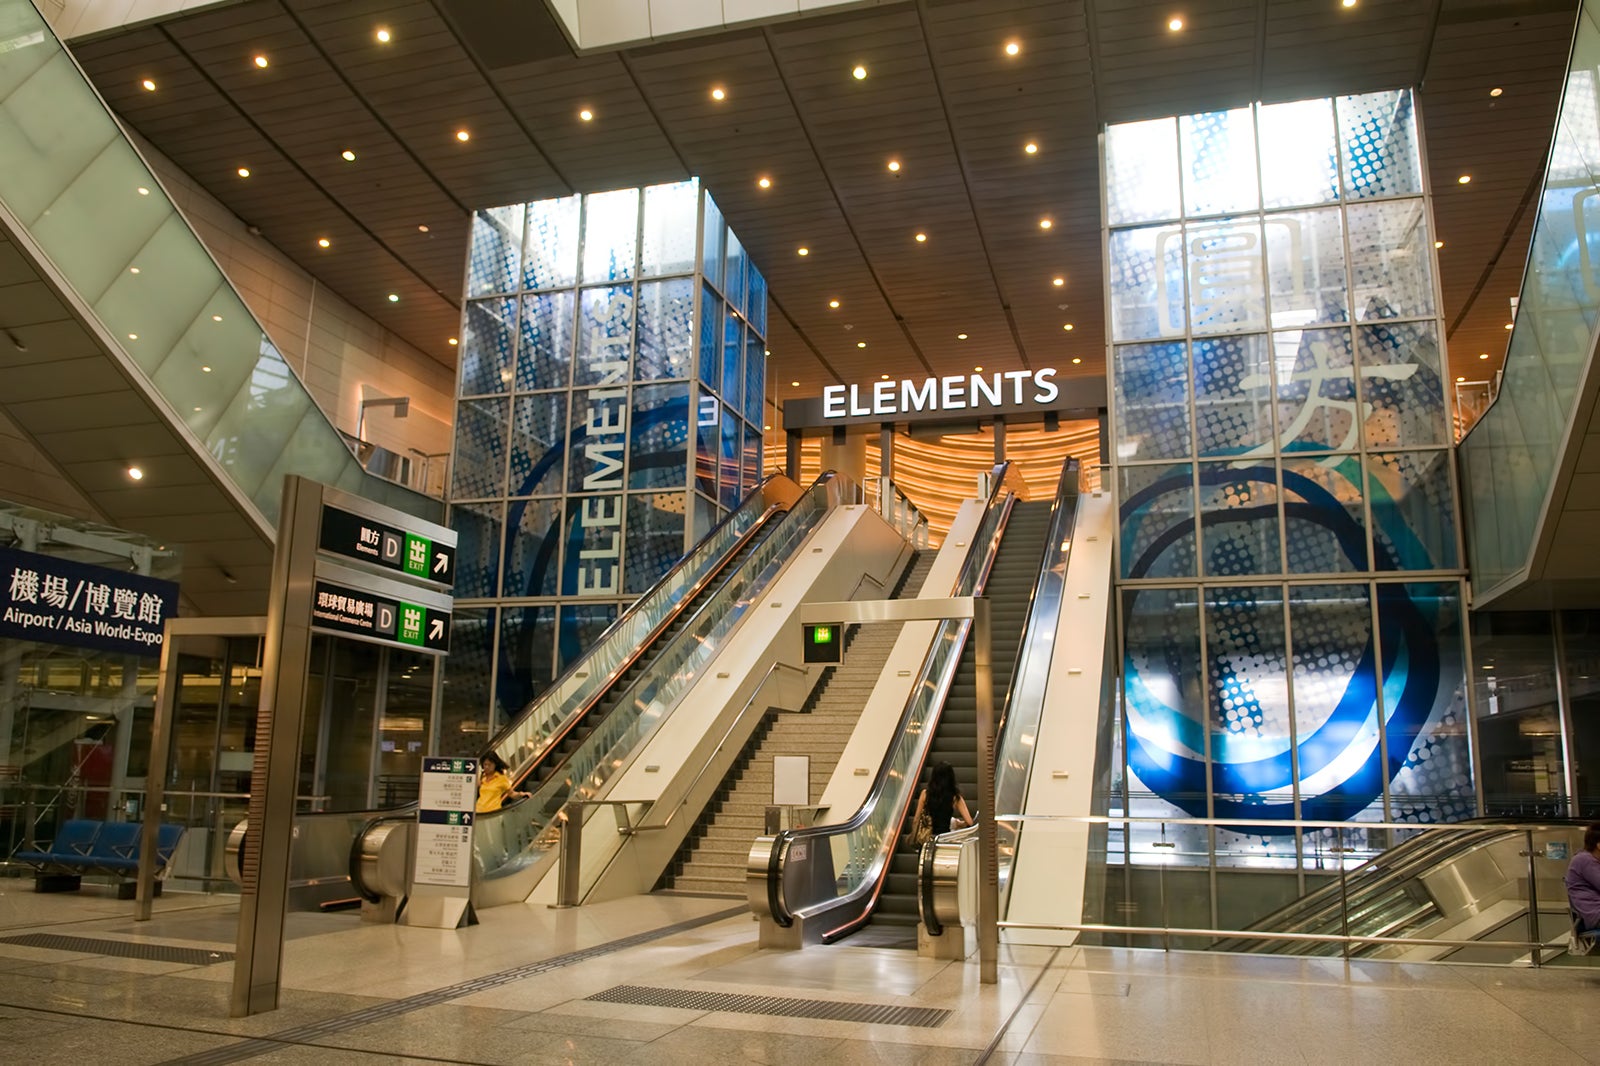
(1009, 592)
(713, 859)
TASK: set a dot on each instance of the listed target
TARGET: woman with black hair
(494, 789)
(1583, 881)
(941, 800)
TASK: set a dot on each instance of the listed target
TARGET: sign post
(441, 868)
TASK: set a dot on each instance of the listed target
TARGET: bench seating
(83, 846)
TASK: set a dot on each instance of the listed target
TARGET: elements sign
(351, 612)
(444, 822)
(356, 537)
(58, 601)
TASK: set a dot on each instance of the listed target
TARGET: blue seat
(71, 847)
(116, 849)
(88, 847)
(167, 837)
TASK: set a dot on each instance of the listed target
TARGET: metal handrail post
(570, 858)
(1344, 900)
(1533, 904)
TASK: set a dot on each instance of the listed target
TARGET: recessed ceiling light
(978, 369)
(1058, 282)
(766, 351)
(961, 336)
(216, 318)
(1348, 3)
(1076, 360)
(1067, 326)
(1438, 244)
(383, 35)
(1175, 24)
(1045, 223)
(133, 270)
(586, 115)
(765, 183)
(833, 304)
(1496, 91)
(884, 377)
(1012, 48)
(453, 342)
(463, 136)
(796, 384)
(133, 336)
(1510, 325)
(205, 370)
(718, 94)
(244, 172)
(766, 427)
(348, 156)
(135, 473)
(1484, 355)
(894, 166)
(1031, 148)
(149, 86)
(394, 297)
(1463, 179)
(261, 62)
(861, 344)
(422, 229)
(197, 410)
(143, 191)
(922, 238)
(323, 242)
(802, 250)
(859, 73)
(1460, 380)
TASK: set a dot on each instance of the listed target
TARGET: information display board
(368, 540)
(444, 823)
(354, 612)
(59, 601)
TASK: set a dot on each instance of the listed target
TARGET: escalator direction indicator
(822, 643)
(357, 613)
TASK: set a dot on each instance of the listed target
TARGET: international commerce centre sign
(951, 398)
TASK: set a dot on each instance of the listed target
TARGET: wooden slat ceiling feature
(941, 96)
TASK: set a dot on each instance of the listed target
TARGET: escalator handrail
(976, 568)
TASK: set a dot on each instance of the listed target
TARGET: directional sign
(355, 612)
(368, 540)
(445, 804)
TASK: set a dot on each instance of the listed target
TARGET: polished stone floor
(529, 1005)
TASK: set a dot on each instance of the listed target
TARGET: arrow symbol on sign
(436, 629)
(441, 563)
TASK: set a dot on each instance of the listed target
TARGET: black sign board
(338, 609)
(58, 601)
(365, 539)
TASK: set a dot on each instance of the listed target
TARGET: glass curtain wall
(1289, 561)
(611, 384)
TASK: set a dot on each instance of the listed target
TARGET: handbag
(922, 828)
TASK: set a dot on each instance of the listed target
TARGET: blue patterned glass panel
(479, 462)
(605, 336)
(671, 226)
(527, 658)
(1142, 171)
(478, 532)
(552, 251)
(1219, 162)
(581, 626)
(710, 337)
(1152, 398)
(1233, 394)
(755, 375)
(1325, 528)
(545, 359)
(1239, 519)
(533, 550)
(752, 460)
(467, 671)
(1247, 690)
(757, 287)
(1316, 390)
(712, 246)
(732, 452)
(599, 433)
(1378, 135)
(1147, 297)
(658, 446)
(487, 346)
(733, 276)
(732, 376)
(538, 445)
(655, 537)
(1164, 696)
(1335, 698)
(705, 516)
(1305, 268)
(1298, 161)
(666, 330)
(1413, 510)
(1226, 291)
(1425, 703)
(1157, 518)
(1401, 392)
(610, 235)
(591, 563)
(496, 261)
(708, 417)
(1391, 255)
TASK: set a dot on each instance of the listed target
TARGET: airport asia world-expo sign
(953, 397)
(59, 601)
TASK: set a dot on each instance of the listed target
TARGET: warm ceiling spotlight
(859, 74)
(323, 242)
(133, 270)
(394, 297)
(1058, 282)
(1463, 179)
(453, 342)
(894, 166)
(833, 304)
(133, 336)
(422, 229)
(348, 156)
(205, 370)
(463, 136)
(143, 191)
(765, 183)
(1460, 380)
(1012, 48)
(135, 473)
(586, 115)
(216, 318)
(1438, 244)
(802, 250)
(766, 351)
(1483, 355)
(795, 384)
(1496, 91)
(383, 35)
(1509, 325)
(961, 336)
(149, 86)
(1175, 24)
(922, 238)
(718, 94)
(766, 427)
(244, 172)
(1348, 3)
(861, 344)
(1031, 148)
(1067, 326)
(1045, 223)
(883, 377)
(260, 62)
(977, 369)
(1076, 360)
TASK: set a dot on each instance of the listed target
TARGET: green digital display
(822, 635)
(822, 643)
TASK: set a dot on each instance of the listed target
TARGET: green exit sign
(823, 643)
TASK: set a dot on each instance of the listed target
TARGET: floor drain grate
(777, 1006)
(122, 949)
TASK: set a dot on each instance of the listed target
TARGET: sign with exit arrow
(410, 546)
(381, 619)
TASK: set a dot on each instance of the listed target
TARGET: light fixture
(1058, 282)
(244, 172)
(718, 95)
(348, 156)
(149, 86)
(894, 166)
(1484, 355)
(394, 297)
(197, 410)
(205, 370)
(766, 351)
(795, 384)
(883, 377)
(978, 369)
(143, 191)
(859, 74)
(135, 473)
(422, 229)
(323, 242)
(453, 342)
(133, 336)
(586, 115)
(922, 238)
(961, 336)
(1012, 48)
(1175, 23)
(1045, 223)
(802, 250)
(1463, 179)
(1460, 380)
(766, 427)
(1438, 244)
(261, 62)
(1076, 360)
(1067, 326)
(861, 344)
(463, 136)
(833, 304)
(383, 35)
(1496, 91)
(1031, 148)
(765, 183)
(1348, 3)
(133, 270)
(216, 318)
(1510, 324)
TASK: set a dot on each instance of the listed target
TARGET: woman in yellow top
(495, 787)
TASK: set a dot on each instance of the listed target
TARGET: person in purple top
(1583, 880)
